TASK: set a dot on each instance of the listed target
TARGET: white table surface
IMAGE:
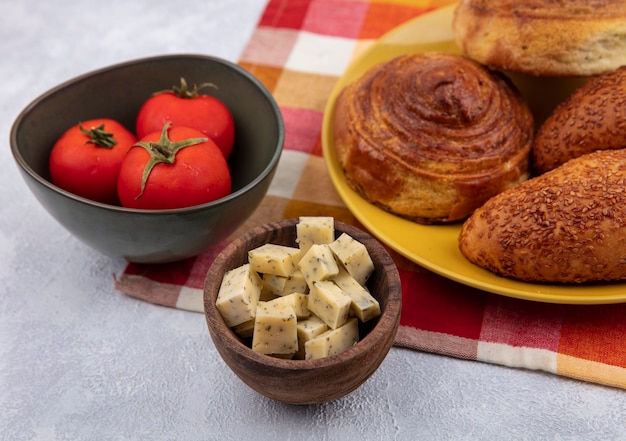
(81, 361)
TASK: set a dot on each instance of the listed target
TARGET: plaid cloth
(298, 50)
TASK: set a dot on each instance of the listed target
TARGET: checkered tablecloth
(298, 50)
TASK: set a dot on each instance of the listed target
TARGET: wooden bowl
(306, 381)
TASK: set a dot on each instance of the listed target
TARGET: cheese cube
(296, 283)
(274, 259)
(275, 329)
(245, 329)
(298, 301)
(314, 230)
(333, 341)
(283, 356)
(329, 303)
(238, 295)
(364, 305)
(354, 256)
(308, 329)
(275, 286)
(318, 264)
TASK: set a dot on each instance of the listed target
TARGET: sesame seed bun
(565, 226)
(593, 118)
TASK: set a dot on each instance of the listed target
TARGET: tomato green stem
(184, 91)
(163, 152)
(98, 137)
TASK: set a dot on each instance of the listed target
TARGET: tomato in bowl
(118, 92)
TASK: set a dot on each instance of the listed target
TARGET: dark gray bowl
(152, 236)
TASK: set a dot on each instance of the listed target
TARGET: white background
(81, 361)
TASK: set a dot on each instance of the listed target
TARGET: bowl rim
(224, 200)
(389, 318)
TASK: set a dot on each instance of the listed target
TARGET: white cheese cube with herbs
(314, 230)
(354, 256)
(333, 341)
(298, 301)
(273, 286)
(275, 329)
(329, 303)
(296, 283)
(274, 259)
(303, 301)
(364, 305)
(318, 264)
(307, 329)
(238, 295)
(245, 329)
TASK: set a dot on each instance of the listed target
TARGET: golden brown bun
(593, 118)
(543, 37)
(432, 136)
(565, 226)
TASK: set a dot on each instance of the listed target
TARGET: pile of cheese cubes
(302, 301)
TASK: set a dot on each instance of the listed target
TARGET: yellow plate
(435, 247)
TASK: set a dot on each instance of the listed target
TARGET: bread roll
(565, 226)
(432, 136)
(543, 37)
(593, 118)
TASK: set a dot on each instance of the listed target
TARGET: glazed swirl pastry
(543, 37)
(432, 136)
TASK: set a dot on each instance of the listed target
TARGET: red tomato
(184, 107)
(178, 167)
(86, 159)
